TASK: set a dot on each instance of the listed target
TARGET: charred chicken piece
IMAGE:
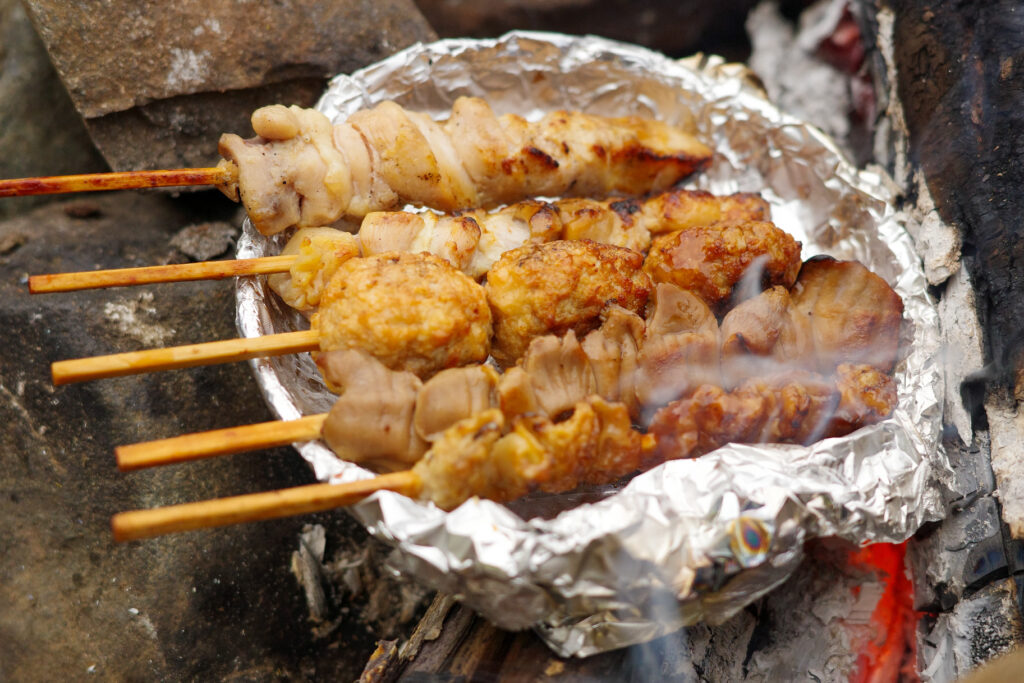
(711, 261)
(302, 170)
(371, 422)
(854, 315)
(412, 312)
(559, 286)
(799, 407)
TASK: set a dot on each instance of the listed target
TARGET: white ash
(979, 628)
(963, 349)
(129, 317)
(1006, 426)
(307, 566)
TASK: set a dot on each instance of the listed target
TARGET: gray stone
(159, 82)
(40, 132)
(206, 605)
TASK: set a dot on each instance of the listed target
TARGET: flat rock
(205, 605)
(158, 84)
(31, 144)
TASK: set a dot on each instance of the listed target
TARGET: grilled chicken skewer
(471, 240)
(490, 455)
(303, 171)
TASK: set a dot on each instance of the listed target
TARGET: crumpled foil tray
(689, 540)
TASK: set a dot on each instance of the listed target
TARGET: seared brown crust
(412, 312)
(711, 260)
(489, 457)
(559, 286)
(798, 407)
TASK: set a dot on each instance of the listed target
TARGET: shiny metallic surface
(690, 540)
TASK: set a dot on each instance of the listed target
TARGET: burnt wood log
(960, 71)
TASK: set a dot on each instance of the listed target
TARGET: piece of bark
(961, 82)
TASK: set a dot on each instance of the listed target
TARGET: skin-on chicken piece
(683, 209)
(320, 251)
(412, 312)
(371, 422)
(502, 459)
(799, 407)
(301, 170)
(765, 335)
(711, 261)
(474, 240)
(470, 240)
(855, 316)
(559, 286)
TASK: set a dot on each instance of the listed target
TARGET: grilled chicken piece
(452, 395)
(552, 377)
(799, 407)
(680, 348)
(559, 286)
(320, 251)
(371, 422)
(301, 170)
(453, 238)
(493, 457)
(684, 209)
(613, 350)
(763, 336)
(711, 261)
(854, 315)
(412, 312)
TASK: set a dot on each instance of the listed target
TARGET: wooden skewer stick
(151, 360)
(123, 180)
(178, 272)
(218, 442)
(255, 507)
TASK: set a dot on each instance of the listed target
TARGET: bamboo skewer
(178, 272)
(218, 442)
(190, 355)
(255, 507)
(122, 180)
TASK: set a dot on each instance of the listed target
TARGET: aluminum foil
(689, 540)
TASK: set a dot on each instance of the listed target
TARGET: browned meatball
(559, 286)
(411, 312)
(711, 260)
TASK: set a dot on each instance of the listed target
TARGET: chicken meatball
(411, 312)
(558, 286)
(711, 260)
